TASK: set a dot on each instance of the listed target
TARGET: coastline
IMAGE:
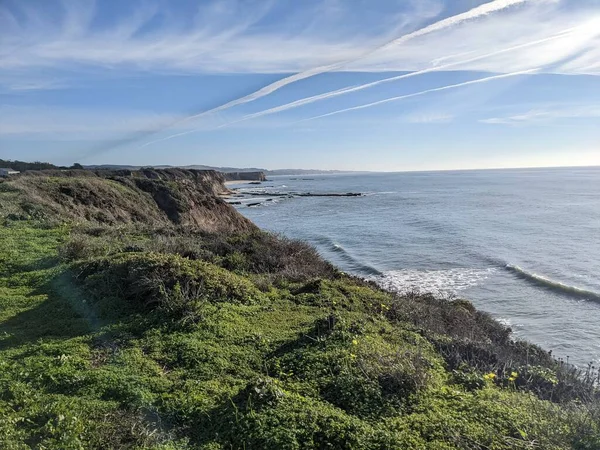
(405, 228)
(226, 334)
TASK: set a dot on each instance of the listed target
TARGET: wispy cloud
(33, 85)
(546, 115)
(81, 37)
(257, 37)
(428, 117)
(216, 37)
(76, 123)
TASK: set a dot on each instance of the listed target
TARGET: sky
(383, 85)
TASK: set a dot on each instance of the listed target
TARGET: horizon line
(354, 170)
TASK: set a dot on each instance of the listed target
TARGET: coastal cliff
(138, 310)
(245, 176)
(149, 196)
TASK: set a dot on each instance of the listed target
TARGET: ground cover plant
(168, 336)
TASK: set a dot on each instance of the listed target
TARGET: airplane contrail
(477, 12)
(183, 133)
(351, 89)
(416, 94)
(474, 13)
(348, 90)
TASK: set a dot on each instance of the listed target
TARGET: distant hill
(223, 169)
(193, 166)
(23, 166)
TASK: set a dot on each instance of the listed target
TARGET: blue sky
(333, 84)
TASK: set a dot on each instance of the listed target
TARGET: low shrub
(282, 260)
(176, 285)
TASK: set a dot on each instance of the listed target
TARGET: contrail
(351, 89)
(479, 11)
(474, 13)
(348, 90)
(183, 133)
(416, 94)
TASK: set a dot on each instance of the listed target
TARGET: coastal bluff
(147, 196)
(245, 176)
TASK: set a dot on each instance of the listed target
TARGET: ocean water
(523, 245)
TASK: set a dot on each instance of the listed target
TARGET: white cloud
(84, 123)
(427, 117)
(256, 36)
(94, 124)
(235, 36)
(483, 10)
(344, 91)
(546, 115)
(224, 36)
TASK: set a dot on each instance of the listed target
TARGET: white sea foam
(443, 283)
(504, 321)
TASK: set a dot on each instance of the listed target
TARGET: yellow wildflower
(490, 376)
(354, 342)
(352, 355)
(514, 375)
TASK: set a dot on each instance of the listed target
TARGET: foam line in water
(553, 285)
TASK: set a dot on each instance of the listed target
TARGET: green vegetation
(22, 166)
(172, 337)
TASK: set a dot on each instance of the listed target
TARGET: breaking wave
(553, 285)
(354, 264)
(443, 283)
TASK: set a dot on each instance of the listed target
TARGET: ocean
(522, 244)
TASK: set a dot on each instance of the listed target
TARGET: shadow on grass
(64, 314)
(41, 264)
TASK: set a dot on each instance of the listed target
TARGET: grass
(173, 337)
(124, 346)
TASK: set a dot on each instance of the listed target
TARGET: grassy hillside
(153, 334)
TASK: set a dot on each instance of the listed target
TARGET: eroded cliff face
(246, 176)
(150, 196)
